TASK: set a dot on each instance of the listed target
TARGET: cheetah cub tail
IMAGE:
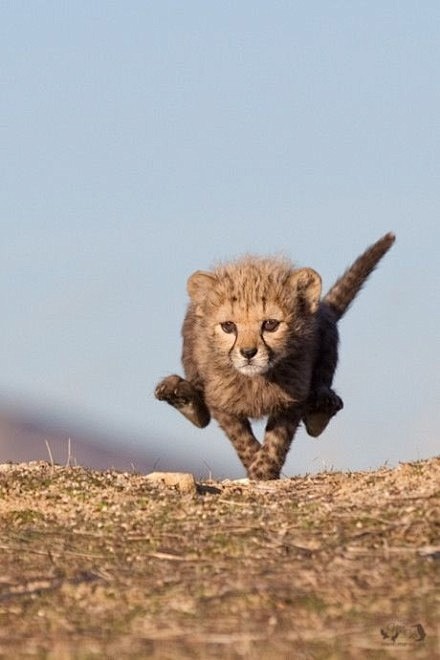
(346, 288)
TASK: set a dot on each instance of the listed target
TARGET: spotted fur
(258, 341)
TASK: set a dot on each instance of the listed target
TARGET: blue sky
(144, 140)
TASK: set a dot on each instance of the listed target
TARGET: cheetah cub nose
(248, 352)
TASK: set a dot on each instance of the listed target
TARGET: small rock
(184, 481)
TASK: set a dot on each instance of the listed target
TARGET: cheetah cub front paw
(183, 396)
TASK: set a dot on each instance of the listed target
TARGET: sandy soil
(108, 564)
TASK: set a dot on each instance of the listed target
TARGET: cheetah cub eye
(270, 325)
(228, 326)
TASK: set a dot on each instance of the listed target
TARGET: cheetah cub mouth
(251, 368)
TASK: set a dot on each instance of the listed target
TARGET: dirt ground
(111, 565)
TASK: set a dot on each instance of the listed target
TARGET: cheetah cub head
(252, 312)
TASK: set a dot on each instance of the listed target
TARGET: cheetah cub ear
(306, 285)
(199, 284)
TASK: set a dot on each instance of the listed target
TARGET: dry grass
(107, 564)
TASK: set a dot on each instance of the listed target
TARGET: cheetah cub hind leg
(183, 396)
(321, 406)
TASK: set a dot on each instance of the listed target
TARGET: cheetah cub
(258, 341)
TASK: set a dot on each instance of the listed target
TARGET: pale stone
(184, 481)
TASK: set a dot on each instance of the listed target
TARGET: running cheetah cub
(258, 341)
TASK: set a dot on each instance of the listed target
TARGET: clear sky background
(141, 141)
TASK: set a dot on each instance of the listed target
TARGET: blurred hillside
(29, 435)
